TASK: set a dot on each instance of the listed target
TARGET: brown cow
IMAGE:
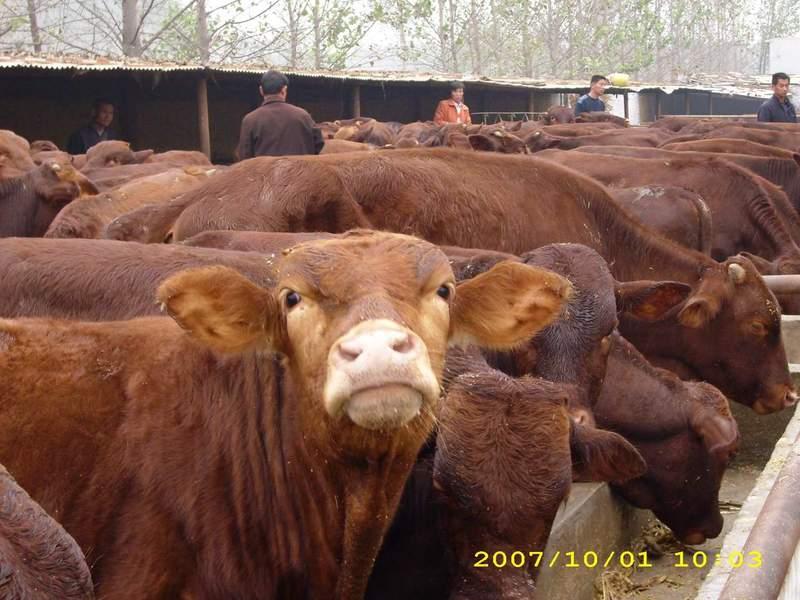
(180, 158)
(243, 457)
(744, 216)
(493, 480)
(43, 146)
(107, 178)
(149, 224)
(113, 153)
(333, 146)
(787, 139)
(15, 155)
(676, 213)
(559, 115)
(602, 117)
(685, 432)
(30, 202)
(89, 217)
(729, 146)
(630, 137)
(38, 559)
(374, 133)
(513, 204)
(497, 140)
(101, 280)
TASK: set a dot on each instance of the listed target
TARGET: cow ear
(649, 300)
(698, 311)
(762, 265)
(222, 309)
(479, 141)
(506, 305)
(69, 173)
(599, 455)
(720, 434)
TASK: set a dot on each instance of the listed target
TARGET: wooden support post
(531, 101)
(710, 103)
(658, 105)
(356, 101)
(627, 107)
(202, 116)
(686, 104)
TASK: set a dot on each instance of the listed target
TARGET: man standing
(277, 128)
(778, 109)
(591, 102)
(453, 109)
(98, 129)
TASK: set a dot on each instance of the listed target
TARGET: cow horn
(498, 133)
(55, 167)
(737, 273)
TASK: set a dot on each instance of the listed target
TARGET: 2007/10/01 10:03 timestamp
(592, 560)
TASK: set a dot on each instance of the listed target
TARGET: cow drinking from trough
(262, 452)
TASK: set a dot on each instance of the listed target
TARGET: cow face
(364, 322)
(539, 140)
(734, 307)
(731, 305)
(504, 463)
(60, 184)
(498, 141)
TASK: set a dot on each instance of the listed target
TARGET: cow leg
(148, 560)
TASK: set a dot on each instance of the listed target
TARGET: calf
(148, 224)
(235, 455)
(38, 559)
(30, 202)
(684, 431)
(502, 464)
(559, 115)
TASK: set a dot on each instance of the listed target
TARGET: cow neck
(313, 524)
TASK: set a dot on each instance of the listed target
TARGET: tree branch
(169, 24)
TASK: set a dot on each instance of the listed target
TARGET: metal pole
(625, 102)
(202, 116)
(531, 101)
(686, 103)
(783, 284)
(710, 103)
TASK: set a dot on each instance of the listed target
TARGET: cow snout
(379, 375)
(781, 397)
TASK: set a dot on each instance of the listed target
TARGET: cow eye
(292, 299)
(443, 291)
(758, 328)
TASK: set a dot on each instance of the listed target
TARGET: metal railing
(511, 116)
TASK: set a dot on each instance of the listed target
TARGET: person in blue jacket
(778, 109)
(591, 102)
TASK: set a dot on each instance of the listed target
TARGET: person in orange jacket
(453, 109)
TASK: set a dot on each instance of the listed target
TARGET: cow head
(113, 153)
(498, 141)
(684, 431)
(504, 463)
(539, 140)
(43, 146)
(364, 322)
(59, 184)
(559, 115)
(731, 305)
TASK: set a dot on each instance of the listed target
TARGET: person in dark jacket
(778, 109)
(98, 130)
(591, 102)
(277, 128)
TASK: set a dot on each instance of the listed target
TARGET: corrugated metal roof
(735, 84)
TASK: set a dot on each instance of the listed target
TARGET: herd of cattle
(378, 362)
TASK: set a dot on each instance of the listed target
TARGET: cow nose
(790, 399)
(378, 341)
(694, 538)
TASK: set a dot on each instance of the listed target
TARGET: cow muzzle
(379, 375)
(782, 397)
